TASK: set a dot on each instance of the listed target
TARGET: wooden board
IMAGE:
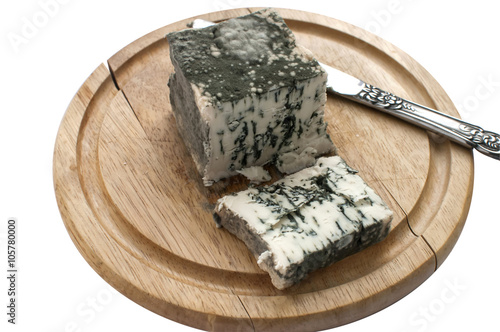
(137, 210)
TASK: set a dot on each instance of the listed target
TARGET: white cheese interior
(256, 174)
(251, 131)
(292, 161)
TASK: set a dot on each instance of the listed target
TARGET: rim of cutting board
(74, 209)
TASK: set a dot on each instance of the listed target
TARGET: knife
(456, 130)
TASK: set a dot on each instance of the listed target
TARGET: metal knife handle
(459, 131)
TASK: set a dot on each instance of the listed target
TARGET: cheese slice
(307, 220)
(245, 94)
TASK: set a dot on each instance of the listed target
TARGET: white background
(458, 44)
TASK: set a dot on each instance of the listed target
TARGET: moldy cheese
(245, 94)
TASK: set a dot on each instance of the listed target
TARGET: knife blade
(456, 130)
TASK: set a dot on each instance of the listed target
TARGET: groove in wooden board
(156, 201)
(114, 223)
(122, 270)
(66, 184)
(442, 236)
(144, 271)
(429, 202)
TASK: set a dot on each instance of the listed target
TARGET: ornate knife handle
(459, 131)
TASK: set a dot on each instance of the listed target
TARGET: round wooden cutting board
(136, 208)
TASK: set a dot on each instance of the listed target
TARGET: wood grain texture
(136, 208)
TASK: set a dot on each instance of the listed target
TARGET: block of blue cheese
(245, 94)
(307, 220)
